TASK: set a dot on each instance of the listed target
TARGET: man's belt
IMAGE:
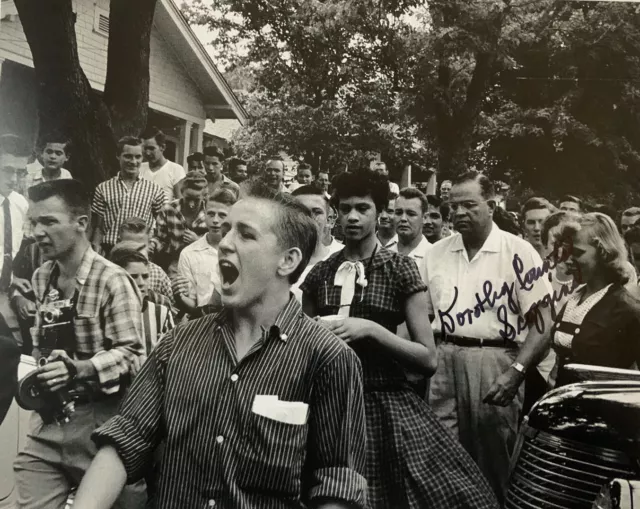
(477, 342)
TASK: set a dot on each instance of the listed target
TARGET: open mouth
(228, 272)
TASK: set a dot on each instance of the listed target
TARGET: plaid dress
(412, 461)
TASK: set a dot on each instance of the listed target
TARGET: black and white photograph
(320, 254)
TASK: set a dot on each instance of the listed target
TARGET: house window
(101, 21)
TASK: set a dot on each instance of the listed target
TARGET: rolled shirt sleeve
(123, 332)
(137, 430)
(337, 437)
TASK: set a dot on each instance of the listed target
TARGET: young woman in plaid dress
(412, 461)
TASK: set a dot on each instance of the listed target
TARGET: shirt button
(577, 331)
(234, 378)
(219, 439)
(211, 503)
(283, 337)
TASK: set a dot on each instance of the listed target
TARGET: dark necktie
(5, 275)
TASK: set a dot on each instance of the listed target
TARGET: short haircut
(156, 134)
(224, 195)
(362, 183)
(195, 180)
(134, 225)
(633, 235)
(213, 151)
(294, 226)
(124, 253)
(486, 185)
(571, 198)
(611, 250)
(72, 192)
(506, 222)
(195, 157)
(551, 221)
(631, 212)
(132, 141)
(311, 189)
(446, 182)
(234, 162)
(14, 145)
(441, 205)
(410, 193)
(326, 172)
(537, 203)
(54, 138)
(304, 167)
(274, 158)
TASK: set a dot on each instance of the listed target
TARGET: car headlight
(618, 494)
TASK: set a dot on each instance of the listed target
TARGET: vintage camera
(56, 333)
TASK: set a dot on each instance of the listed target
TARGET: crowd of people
(335, 343)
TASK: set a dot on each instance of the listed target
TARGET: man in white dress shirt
(488, 309)
(157, 168)
(14, 154)
(198, 282)
(386, 234)
(410, 210)
(381, 168)
(313, 198)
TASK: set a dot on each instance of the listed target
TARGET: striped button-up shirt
(107, 323)
(114, 202)
(171, 225)
(157, 320)
(195, 395)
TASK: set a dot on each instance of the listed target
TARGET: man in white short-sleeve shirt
(411, 208)
(480, 291)
(157, 168)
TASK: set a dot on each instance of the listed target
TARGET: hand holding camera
(55, 374)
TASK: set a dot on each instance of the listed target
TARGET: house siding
(171, 90)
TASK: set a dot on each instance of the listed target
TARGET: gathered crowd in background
(458, 316)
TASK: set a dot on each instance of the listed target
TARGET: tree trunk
(126, 91)
(67, 105)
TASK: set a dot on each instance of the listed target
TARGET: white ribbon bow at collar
(346, 278)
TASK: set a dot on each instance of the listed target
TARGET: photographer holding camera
(87, 336)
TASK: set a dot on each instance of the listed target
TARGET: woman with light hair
(600, 321)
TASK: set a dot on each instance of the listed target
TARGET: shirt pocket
(272, 457)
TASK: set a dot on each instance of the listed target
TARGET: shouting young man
(258, 405)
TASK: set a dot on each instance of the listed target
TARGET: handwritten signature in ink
(489, 296)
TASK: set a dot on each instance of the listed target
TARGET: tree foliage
(540, 93)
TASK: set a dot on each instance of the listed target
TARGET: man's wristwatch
(518, 367)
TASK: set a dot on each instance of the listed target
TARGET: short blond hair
(610, 246)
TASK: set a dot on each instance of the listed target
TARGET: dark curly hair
(361, 183)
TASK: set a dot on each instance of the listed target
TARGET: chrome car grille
(555, 473)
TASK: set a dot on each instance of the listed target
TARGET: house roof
(222, 128)
(220, 101)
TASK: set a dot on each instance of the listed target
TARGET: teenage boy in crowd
(123, 196)
(238, 170)
(54, 153)
(386, 234)
(105, 343)
(410, 210)
(180, 223)
(313, 199)
(304, 176)
(213, 162)
(259, 406)
(436, 219)
(157, 168)
(197, 285)
(195, 162)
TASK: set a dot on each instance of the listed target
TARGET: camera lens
(51, 316)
